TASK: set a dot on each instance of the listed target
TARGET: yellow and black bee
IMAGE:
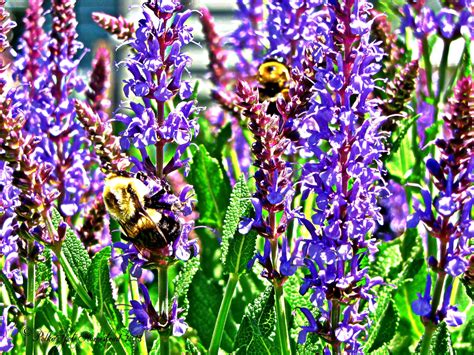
(144, 221)
(273, 77)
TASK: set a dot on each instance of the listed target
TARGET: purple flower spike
(445, 216)
(344, 173)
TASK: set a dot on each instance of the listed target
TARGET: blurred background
(92, 36)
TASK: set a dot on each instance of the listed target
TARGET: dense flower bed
(321, 202)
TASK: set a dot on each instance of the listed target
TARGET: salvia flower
(342, 127)
(147, 318)
(156, 70)
(447, 214)
(449, 22)
(156, 67)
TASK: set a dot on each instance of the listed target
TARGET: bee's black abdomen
(166, 231)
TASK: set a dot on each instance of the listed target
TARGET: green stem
(430, 327)
(282, 326)
(438, 291)
(142, 349)
(428, 67)
(163, 307)
(223, 312)
(30, 297)
(442, 77)
(281, 319)
(62, 289)
(164, 344)
(426, 342)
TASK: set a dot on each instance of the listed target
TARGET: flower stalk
(216, 339)
(30, 289)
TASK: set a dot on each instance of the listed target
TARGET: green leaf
(221, 141)
(99, 347)
(212, 188)
(410, 243)
(441, 341)
(11, 292)
(182, 282)
(468, 288)
(388, 259)
(49, 316)
(100, 288)
(155, 349)
(400, 161)
(241, 250)
(250, 287)
(44, 269)
(74, 251)
(412, 280)
(237, 249)
(400, 135)
(258, 324)
(191, 348)
(385, 327)
(312, 345)
(204, 301)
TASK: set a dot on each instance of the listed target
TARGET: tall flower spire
(447, 215)
(345, 176)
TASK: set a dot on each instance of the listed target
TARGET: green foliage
(204, 301)
(221, 141)
(241, 250)
(212, 188)
(100, 288)
(313, 345)
(73, 249)
(385, 326)
(51, 317)
(237, 249)
(182, 282)
(412, 280)
(401, 161)
(399, 138)
(191, 348)
(257, 327)
(249, 288)
(441, 341)
(11, 292)
(388, 259)
(44, 269)
(239, 205)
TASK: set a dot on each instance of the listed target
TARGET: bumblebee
(147, 223)
(273, 77)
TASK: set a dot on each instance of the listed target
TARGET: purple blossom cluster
(447, 215)
(342, 130)
(48, 103)
(303, 116)
(452, 19)
(156, 67)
